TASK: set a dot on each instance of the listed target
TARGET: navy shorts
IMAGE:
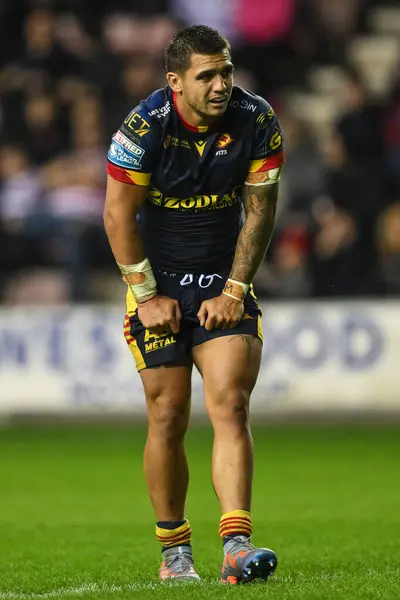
(151, 350)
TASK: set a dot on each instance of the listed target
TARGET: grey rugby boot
(178, 564)
(244, 563)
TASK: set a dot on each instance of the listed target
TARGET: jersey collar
(200, 129)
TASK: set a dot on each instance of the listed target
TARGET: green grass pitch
(75, 521)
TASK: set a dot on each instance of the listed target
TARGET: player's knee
(229, 409)
(167, 419)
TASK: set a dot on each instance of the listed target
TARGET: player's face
(207, 84)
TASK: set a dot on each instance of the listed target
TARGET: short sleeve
(268, 149)
(133, 149)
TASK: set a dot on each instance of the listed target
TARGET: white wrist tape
(236, 289)
(140, 279)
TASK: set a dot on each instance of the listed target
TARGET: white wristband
(236, 289)
(140, 279)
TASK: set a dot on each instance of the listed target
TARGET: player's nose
(219, 84)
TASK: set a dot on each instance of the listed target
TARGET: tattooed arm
(259, 201)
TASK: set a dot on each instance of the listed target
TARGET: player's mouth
(219, 101)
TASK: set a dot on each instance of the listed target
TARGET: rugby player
(190, 207)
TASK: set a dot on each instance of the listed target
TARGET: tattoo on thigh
(248, 339)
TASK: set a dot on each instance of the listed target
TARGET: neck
(189, 116)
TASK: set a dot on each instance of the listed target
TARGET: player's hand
(160, 314)
(221, 312)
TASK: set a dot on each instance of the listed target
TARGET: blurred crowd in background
(71, 70)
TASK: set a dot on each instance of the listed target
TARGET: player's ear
(174, 82)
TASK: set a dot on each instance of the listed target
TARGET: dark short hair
(197, 39)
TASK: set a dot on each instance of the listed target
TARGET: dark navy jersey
(191, 219)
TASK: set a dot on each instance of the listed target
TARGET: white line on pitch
(90, 588)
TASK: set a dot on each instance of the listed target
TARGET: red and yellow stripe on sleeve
(127, 175)
(268, 163)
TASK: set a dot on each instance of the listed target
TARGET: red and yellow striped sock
(178, 536)
(236, 522)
